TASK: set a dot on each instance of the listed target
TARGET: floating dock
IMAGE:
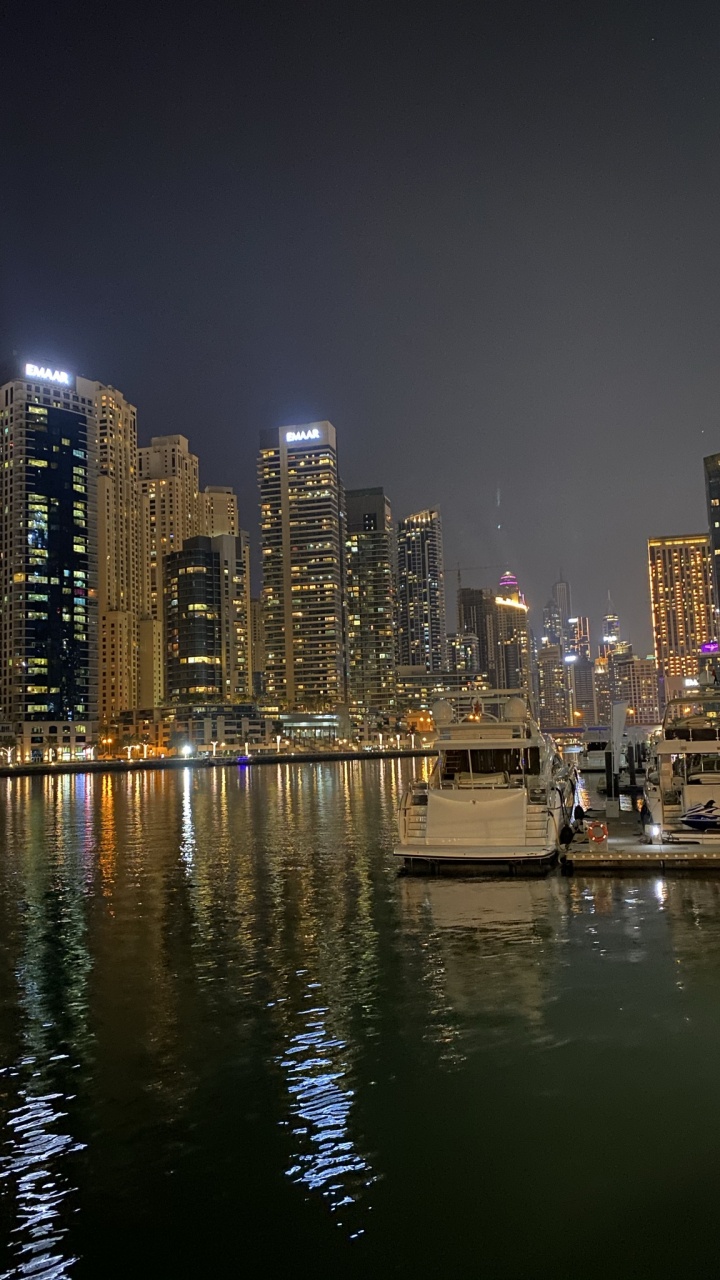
(626, 850)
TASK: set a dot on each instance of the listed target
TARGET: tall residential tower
(302, 536)
(48, 549)
(421, 632)
(681, 598)
(370, 566)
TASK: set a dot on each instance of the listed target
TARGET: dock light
(187, 750)
(654, 831)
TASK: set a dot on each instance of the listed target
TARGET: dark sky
(483, 240)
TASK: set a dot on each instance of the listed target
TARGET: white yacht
(592, 753)
(682, 784)
(498, 796)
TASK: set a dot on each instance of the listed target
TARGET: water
(233, 1040)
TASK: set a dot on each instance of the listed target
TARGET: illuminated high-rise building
(370, 611)
(682, 601)
(553, 692)
(553, 629)
(562, 597)
(611, 629)
(421, 635)
(221, 511)
(712, 494)
(636, 682)
(207, 624)
(512, 637)
(302, 537)
(120, 581)
(171, 510)
(581, 689)
(578, 637)
(257, 645)
(48, 552)
(603, 690)
(463, 652)
(476, 616)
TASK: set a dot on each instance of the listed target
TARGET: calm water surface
(233, 1040)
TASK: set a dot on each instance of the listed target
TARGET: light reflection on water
(221, 1005)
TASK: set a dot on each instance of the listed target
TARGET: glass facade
(370, 577)
(302, 538)
(421, 637)
(48, 534)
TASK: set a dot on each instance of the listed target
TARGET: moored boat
(682, 784)
(499, 797)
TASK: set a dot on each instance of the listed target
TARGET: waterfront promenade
(209, 762)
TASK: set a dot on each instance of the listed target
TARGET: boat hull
(428, 860)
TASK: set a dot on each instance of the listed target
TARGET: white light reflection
(187, 843)
(325, 1160)
(29, 1165)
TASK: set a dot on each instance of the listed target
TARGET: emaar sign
(311, 433)
(47, 375)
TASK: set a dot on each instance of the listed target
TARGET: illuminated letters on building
(47, 375)
(313, 433)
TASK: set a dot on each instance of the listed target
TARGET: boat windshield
(693, 719)
(703, 764)
(458, 764)
(595, 746)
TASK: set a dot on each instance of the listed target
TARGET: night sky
(483, 240)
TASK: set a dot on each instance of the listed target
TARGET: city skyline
(214, 496)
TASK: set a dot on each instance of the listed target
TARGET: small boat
(592, 754)
(499, 797)
(682, 783)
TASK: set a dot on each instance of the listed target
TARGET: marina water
(233, 1039)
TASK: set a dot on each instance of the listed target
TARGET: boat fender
(597, 832)
(566, 835)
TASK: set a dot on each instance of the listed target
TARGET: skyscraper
(171, 510)
(476, 616)
(553, 629)
(120, 588)
(513, 669)
(682, 602)
(636, 682)
(563, 599)
(48, 549)
(221, 511)
(712, 495)
(553, 709)
(421, 634)
(301, 531)
(611, 627)
(578, 638)
(206, 621)
(370, 613)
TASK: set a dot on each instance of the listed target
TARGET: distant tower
(563, 599)
(513, 664)
(421, 639)
(611, 628)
